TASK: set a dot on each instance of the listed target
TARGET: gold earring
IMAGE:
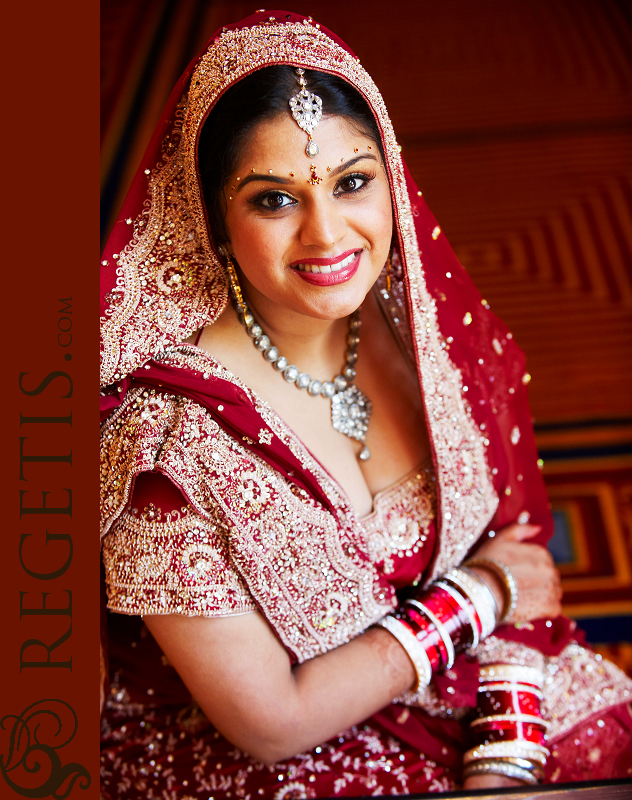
(234, 283)
(389, 266)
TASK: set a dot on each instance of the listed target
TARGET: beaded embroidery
(169, 272)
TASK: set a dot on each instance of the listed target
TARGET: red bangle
(473, 612)
(452, 616)
(506, 702)
(430, 639)
(512, 732)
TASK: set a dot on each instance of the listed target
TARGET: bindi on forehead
(314, 179)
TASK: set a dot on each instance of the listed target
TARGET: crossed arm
(242, 676)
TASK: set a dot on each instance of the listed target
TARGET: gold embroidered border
(179, 566)
(306, 572)
(169, 272)
(401, 518)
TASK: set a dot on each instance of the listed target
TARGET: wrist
(438, 623)
(498, 577)
(492, 581)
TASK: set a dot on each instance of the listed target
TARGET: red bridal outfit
(212, 506)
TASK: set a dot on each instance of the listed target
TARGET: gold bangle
(536, 769)
(506, 576)
(500, 768)
(526, 718)
(514, 748)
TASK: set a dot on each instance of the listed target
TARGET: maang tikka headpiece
(307, 109)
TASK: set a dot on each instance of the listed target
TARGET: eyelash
(259, 200)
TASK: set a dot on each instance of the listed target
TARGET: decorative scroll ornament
(307, 110)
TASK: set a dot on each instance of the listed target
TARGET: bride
(320, 488)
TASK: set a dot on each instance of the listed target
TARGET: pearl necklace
(350, 408)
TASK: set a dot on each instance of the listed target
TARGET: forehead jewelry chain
(307, 109)
(350, 408)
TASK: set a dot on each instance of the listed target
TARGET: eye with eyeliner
(263, 200)
(259, 200)
(354, 176)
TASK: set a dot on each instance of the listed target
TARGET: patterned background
(516, 120)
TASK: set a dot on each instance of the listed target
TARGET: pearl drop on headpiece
(307, 110)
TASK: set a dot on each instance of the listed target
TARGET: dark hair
(263, 95)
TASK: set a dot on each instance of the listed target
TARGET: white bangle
(413, 648)
(514, 673)
(527, 719)
(486, 588)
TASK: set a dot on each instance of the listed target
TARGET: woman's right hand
(539, 586)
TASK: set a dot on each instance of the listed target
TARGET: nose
(323, 224)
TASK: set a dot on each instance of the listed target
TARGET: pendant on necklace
(350, 414)
(350, 408)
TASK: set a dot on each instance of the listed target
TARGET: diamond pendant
(350, 414)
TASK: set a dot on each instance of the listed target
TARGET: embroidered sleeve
(175, 563)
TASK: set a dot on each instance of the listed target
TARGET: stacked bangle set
(509, 732)
(452, 615)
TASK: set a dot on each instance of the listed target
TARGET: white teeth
(327, 268)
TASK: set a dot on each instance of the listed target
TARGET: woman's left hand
(489, 782)
(539, 586)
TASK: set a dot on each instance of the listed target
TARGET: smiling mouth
(326, 269)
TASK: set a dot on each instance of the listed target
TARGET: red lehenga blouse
(212, 506)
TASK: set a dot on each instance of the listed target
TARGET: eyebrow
(285, 181)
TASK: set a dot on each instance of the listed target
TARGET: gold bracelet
(506, 576)
(514, 749)
(526, 718)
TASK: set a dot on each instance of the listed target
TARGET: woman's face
(310, 235)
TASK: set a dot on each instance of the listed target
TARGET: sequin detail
(303, 566)
(400, 519)
(172, 566)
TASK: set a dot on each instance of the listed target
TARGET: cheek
(383, 226)
(383, 216)
(258, 244)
